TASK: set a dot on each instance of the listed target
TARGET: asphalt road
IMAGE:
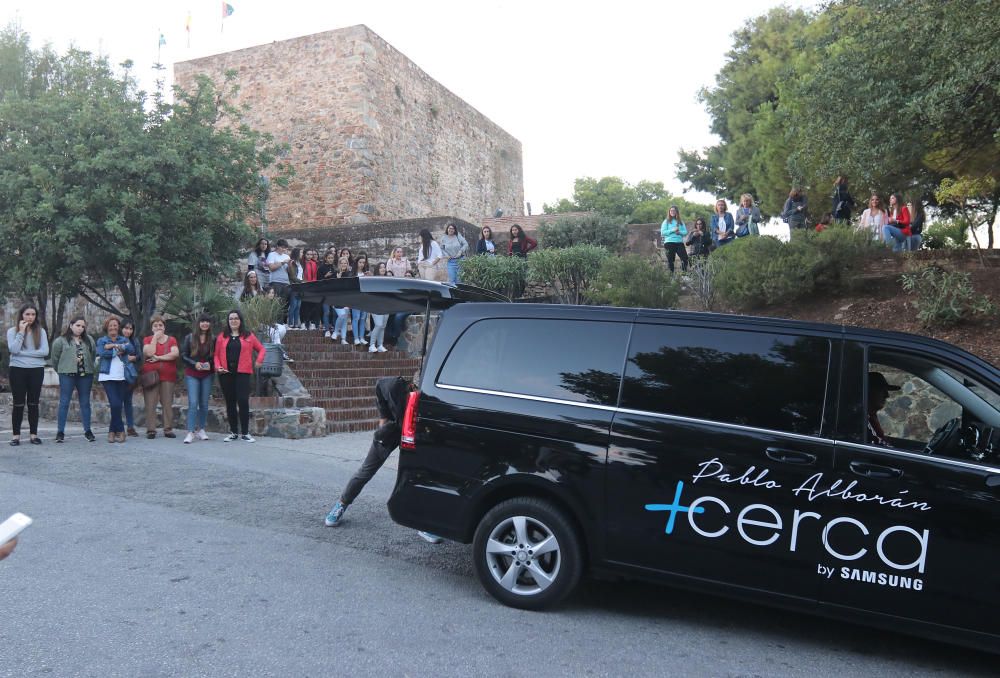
(156, 558)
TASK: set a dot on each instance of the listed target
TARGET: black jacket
(842, 203)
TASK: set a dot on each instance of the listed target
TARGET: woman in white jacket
(429, 256)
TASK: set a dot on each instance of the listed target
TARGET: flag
(187, 23)
(227, 10)
(163, 40)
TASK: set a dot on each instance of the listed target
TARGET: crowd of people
(122, 365)
(897, 224)
(271, 270)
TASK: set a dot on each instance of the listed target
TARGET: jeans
(378, 328)
(896, 235)
(358, 320)
(328, 320)
(25, 387)
(913, 242)
(236, 391)
(129, 414)
(82, 385)
(385, 440)
(294, 310)
(453, 269)
(199, 390)
(340, 326)
(116, 391)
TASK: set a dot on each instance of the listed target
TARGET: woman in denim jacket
(113, 351)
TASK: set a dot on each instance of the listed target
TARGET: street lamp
(265, 192)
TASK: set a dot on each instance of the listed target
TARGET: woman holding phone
(113, 350)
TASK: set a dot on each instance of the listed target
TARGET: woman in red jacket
(520, 244)
(897, 231)
(234, 362)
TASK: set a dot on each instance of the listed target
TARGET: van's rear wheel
(527, 554)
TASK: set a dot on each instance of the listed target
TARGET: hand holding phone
(10, 528)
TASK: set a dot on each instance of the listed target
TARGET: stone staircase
(341, 379)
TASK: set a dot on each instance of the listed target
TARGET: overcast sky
(588, 91)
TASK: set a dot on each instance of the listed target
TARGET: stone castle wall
(371, 136)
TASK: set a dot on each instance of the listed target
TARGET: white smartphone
(13, 526)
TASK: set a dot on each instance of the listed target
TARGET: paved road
(156, 558)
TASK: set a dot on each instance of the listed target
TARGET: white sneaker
(372, 349)
(247, 438)
(357, 342)
(344, 341)
(382, 349)
(202, 435)
(189, 438)
(334, 336)
(363, 342)
(230, 438)
(312, 326)
(327, 334)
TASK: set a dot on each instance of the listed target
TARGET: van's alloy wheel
(527, 553)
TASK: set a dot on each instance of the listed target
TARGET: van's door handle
(874, 471)
(790, 456)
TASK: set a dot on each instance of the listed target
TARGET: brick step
(308, 368)
(334, 400)
(356, 373)
(366, 382)
(321, 388)
(351, 426)
(334, 414)
(305, 352)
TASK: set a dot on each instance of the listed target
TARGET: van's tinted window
(566, 359)
(771, 381)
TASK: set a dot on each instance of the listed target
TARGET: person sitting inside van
(878, 395)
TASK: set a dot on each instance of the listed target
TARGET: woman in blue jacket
(113, 349)
(723, 228)
(673, 230)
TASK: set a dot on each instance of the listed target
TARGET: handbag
(743, 231)
(150, 380)
(131, 374)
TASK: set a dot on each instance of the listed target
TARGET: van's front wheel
(527, 554)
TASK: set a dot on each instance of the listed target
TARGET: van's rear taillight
(409, 438)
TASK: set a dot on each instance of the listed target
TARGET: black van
(848, 472)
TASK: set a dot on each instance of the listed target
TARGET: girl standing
(29, 346)
(723, 227)
(747, 217)
(398, 264)
(343, 314)
(73, 357)
(234, 361)
(197, 352)
(428, 256)
(113, 350)
(128, 332)
(257, 261)
(160, 354)
(296, 273)
(673, 230)
(794, 211)
(359, 318)
(843, 203)
(873, 218)
(486, 245)
(379, 320)
(454, 247)
(328, 269)
(520, 244)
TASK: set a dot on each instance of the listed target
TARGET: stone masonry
(371, 136)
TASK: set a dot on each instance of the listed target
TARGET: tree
(613, 197)
(105, 190)
(750, 114)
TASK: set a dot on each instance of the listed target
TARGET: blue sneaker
(429, 537)
(333, 518)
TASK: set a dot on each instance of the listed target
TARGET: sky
(608, 89)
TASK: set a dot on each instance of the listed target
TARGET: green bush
(569, 270)
(599, 230)
(945, 297)
(754, 272)
(505, 275)
(633, 280)
(187, 302)
(950, 234)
